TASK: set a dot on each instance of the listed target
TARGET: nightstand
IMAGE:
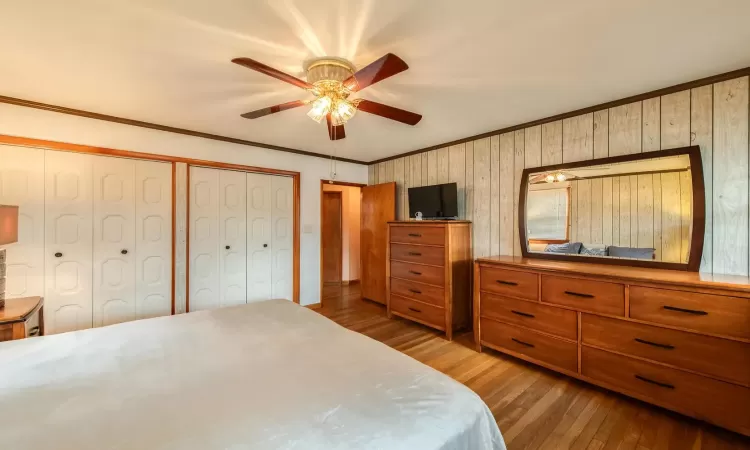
(22, 318)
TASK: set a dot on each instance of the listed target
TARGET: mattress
(268, 375)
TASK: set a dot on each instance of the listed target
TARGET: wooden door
(259, 263)
(331, 237)
(282, 244)
(68, 255)
(22, 185)
(204, 239)
(153, 239)
(114, 240)
(378, 207)
(232, 237)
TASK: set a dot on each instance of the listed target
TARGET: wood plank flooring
(534, 408)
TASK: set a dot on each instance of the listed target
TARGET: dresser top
(18, 309)
(642, 274)
(426, 222)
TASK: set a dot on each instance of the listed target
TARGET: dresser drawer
(558, 321)
(418, 291)
(420, 312)
(722, 358)
(709, 313)
(511, 283)
(543, 348)
(415, 234)
(584, 295)
(715, 401)
(418, 254)
(6, 332)
(416, 272)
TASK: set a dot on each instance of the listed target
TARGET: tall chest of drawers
(429, 273)
(679, 340)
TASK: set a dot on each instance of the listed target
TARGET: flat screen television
(434, 202)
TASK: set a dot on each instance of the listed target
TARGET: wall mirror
(646, 209)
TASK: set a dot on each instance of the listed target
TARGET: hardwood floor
(534, 408)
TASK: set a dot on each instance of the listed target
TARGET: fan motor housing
(335, 69)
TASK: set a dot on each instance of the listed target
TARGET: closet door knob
(227, 247)
(124, 252)
(58, 255)
(265, 245)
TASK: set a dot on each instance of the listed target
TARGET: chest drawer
(416, 272)
(423, 292)
(415, 234)
(511, 283)
(420, 312)
(709, 313)
(729, 360)
(548, 319)
(419, 254)
(584, 295)
(543, 348)
(715, 401)
(6, 332)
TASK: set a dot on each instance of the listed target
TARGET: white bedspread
(269, 375)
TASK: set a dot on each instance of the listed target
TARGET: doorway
(339, 238)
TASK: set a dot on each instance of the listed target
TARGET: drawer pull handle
(416, 291)
(415, 254)
(689, 311)
(509, 283)
(655, 344)
(578, 294)
(415, 235)
(522, 342)
(658, 383)
(415, 309)
(415, 272)
(519, 313)
(34, 331)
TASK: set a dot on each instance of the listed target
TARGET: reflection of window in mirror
(547, 213)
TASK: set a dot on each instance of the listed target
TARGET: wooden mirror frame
(698, 216)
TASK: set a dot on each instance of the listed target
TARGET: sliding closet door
(153, 239)
(22, 184)
(259, 239)
(232, 237)
(282, 240)
(204, 239)
(68, 242)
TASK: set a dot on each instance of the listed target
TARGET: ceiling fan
(332, 81)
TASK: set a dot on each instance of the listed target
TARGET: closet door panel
(259, 258)
(68, 242)
(153, 239)
(114, 240)
(204, 239)
(282, 246)
(22, 184)
(232, 230)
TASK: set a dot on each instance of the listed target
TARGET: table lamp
(8, 235)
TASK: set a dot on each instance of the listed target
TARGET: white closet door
(259, 262)
(153, 239)
(282, 240)
(204, 239)
(114, 240)
(68, 242)
(22, 184)
(232, 237)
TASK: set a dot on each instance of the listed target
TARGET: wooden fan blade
(335, 132)
(389, 112)
(387, 66)
(270, 71)
(273, 109)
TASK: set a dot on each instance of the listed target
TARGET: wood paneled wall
(488, 170)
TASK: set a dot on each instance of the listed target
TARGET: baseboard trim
(314, 306)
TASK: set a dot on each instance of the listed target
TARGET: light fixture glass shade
(320, 108)
(8, 224)
(342, 111)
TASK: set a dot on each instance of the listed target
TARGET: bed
(267, 375)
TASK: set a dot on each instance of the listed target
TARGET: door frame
(103, 151)
(334, 183)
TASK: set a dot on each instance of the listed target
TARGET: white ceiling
(475, 65)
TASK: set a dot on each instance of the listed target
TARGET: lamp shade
(8, 224)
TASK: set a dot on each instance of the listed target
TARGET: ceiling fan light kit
(332, 81)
